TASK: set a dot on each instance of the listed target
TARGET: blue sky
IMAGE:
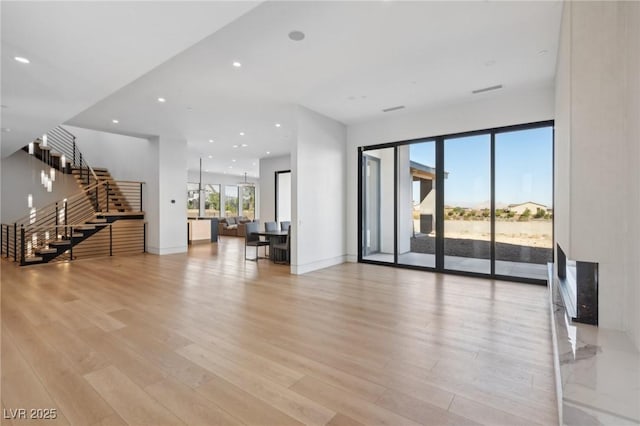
(524, 167)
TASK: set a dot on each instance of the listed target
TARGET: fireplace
(578, 285)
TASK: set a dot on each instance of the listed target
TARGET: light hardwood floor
(209, 339)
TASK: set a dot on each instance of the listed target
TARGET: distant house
(520, 208)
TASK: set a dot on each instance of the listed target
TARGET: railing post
(80, 167)
(144, 237)
(97, 200)
(15, 242)
(1, 238)
(107, 189)
(22, 244)
(110, 240)
(65, 218)
(57, 219)
(140, 196)
(71, 244)
(74, 152)
(7, 241)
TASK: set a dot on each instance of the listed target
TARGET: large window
(478, 203)
(212, 200)
(231, 201)
(193, 200)
(248, 201)
(283, 195)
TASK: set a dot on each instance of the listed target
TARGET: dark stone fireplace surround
(578, 285)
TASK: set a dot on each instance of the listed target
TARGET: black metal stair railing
(61, 144)
(51, 224)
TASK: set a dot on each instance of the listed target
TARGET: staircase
(104, 217)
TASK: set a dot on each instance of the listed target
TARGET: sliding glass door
(467, 204)
(524, 196)
(416, 207)
(378, 197)
(478, 203)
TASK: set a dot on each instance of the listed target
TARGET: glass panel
(524, 196)
(248, 201)
(378, 205)
(212, 200)
(417, 204)
(467, 196)
(283, 194)
(231, 201)
(193, 200)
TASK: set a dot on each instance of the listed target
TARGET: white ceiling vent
(487, 89)
(395, 108)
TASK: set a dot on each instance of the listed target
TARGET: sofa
(233, 226)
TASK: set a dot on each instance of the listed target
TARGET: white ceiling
(357, 58)
(81, 52)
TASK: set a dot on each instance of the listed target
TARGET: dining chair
(286, 247)
(284, 225)
(253, 240)
(270, 226)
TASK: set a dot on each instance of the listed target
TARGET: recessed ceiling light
(296, 35)
(162, 100)
(231, 167)
(211, 156)
(543, 52)
(277, 124)
(114, 121)
(22, 60)
(268, 152)
(206, 170)
(235, 146)
(253, 164)
(6, 129)
(241, 133)
(210, 140)
(244, 145)
(233, 160)
(237, 64)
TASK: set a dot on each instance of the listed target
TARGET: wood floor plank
(26, 391)
(76, 399)
(349, 404)
(189, 405)
(207, 338)
(298, 407)
(132, 403)
(249, 409)
(420, 411)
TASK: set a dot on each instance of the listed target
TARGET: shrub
(540, 213)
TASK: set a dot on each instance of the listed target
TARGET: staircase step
(46, 251)
(97, 221)
(60, 243)
(32, 259)
(77, 235)
(85, 228)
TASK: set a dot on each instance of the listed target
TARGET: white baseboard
(320, 264)
(352, 258)
(166, 250)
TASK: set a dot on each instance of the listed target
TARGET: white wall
(633, 162)
(20, 177)
(599, 141)
(172, 196)
(268, 167)
(482, 112)
(319, 195)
